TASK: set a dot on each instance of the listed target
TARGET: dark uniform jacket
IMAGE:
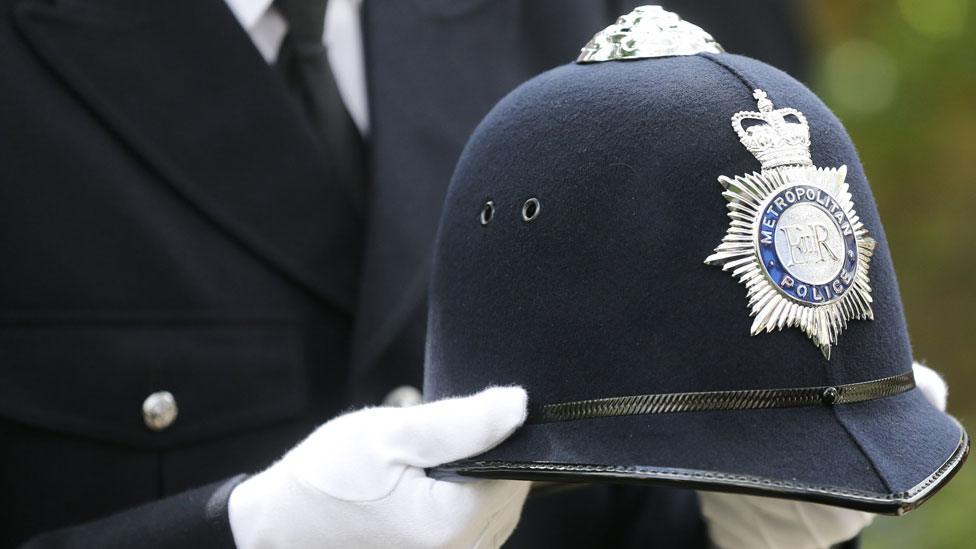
(168, 222)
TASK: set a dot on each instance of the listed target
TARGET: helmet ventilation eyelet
(487, 212)
(530, 210)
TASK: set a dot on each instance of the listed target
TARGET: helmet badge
(794, 239)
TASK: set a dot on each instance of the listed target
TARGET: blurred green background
(901, 75)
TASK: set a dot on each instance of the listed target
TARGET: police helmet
(675, 250)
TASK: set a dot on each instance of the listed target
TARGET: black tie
(304, 65)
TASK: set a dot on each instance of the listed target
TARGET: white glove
(739, 521)
(359, 481)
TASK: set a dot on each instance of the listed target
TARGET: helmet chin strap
(747, 399)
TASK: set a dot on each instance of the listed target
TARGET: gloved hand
(739, 521)
(359, 481)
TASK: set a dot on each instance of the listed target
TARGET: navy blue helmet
(676, 252)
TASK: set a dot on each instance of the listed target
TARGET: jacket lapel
(182, 85)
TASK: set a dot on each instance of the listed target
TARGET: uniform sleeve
(197, 518)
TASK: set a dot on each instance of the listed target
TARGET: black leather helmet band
(749, 399)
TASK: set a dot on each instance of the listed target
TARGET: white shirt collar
(249, 12)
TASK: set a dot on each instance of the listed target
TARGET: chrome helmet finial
(648, 31)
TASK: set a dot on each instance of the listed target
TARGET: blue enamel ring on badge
(807, 245)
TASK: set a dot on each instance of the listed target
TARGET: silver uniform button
(159, 410)
(403, 396)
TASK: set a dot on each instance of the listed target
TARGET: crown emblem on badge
(794, 239)
(776, 138)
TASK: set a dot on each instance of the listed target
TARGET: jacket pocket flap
(91, 378)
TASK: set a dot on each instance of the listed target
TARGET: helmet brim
(884, 456)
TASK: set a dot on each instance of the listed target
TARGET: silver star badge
(794, 239)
